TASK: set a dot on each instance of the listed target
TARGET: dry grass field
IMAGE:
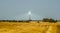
(32, 27)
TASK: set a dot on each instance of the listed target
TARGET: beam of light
(28, 16)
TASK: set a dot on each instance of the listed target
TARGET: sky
(18, 9)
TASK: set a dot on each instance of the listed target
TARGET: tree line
(49, 20)
(43, 20)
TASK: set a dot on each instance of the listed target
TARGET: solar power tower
(29, 14)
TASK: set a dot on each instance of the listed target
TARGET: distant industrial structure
(29, 14)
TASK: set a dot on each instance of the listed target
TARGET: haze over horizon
(18, 9)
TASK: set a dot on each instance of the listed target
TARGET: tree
(49, 20)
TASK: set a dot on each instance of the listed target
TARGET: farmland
(32, 27)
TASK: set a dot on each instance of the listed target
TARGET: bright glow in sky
(18, 9)
(29, 12)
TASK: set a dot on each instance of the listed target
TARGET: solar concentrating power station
(29, 14)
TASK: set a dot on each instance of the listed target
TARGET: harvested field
(32, 27)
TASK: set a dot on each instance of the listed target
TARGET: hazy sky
(18, 9)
